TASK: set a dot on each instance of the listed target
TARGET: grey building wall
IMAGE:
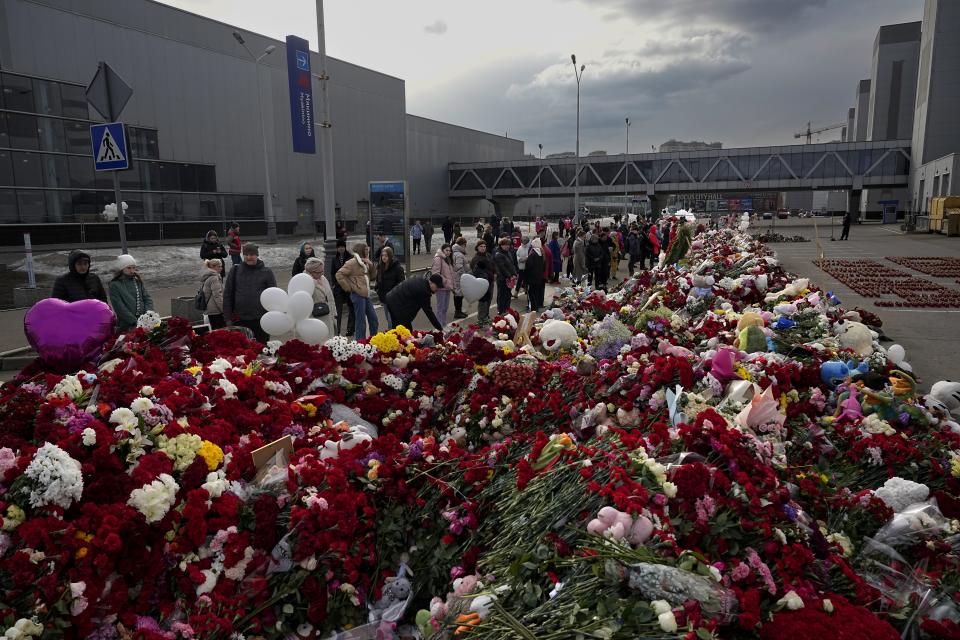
(936, 178)
(198, 86)
(862, 100)
(850, 132)
(936, 128)
(893, 81)
(431, 145)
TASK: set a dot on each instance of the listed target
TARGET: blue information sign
(388, 215)
(109, 146)
(301, 95)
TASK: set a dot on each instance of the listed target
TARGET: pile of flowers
(715, 450)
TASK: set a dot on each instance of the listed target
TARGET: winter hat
(125, 260)
(313, 266)
(250, 249)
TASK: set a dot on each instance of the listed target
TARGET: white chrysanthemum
(216, 483)
(56, 478)
(898, 493)
(141, 405)
(153, 500)
(149, 321)
(23, 629)
(229, 389)
(182, 449)
(220, 365)
(395, 382)
(89, 437)
(69, 386)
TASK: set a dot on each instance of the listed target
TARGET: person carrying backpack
(211, 289)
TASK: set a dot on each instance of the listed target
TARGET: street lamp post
(271, 220)
(576, 175)
(325, 139)
(626, 169)
(540, 181)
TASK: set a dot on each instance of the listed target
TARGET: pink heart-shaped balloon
(68, 335)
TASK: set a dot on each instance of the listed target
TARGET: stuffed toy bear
(557, 334)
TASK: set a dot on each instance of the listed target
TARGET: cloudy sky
(742, 72)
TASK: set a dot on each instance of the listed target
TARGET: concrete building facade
(195, 104)
(862, 100)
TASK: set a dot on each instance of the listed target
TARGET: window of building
(209, 210)
(17, 92)
(33, 206)
(188, 177)
(191, 206)
(73, 102)
(6, 169)
(27, 170)
(81, 172)
(52, 137)
(130, 179)
(77, 135)
(172, 207)
(168, 175)
(8, 207)
(945, 185)
(206, 177)
(46, 97)
(22, 130)
(59, 206)
(55, 170)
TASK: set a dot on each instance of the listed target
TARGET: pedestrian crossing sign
(109, 142)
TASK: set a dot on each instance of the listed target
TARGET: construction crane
(808, 134)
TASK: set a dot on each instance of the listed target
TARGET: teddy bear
(557, 334)
(702, 286)
(620, 525)
(350, 438)
(397, 593)
(855, 336)
(750, 335)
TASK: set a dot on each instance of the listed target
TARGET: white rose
(667, 622)
(827, 605)
(661, 606)
(791, 601)
(669, 489)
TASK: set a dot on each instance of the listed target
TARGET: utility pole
(328, 204)
(626, 170)
(576, 176)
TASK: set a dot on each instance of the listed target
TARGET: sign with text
(388, 215)
(301, 95)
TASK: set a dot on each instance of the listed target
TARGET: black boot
(458, 313)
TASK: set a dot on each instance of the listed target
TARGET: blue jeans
(363, 308)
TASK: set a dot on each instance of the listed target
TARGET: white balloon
(312, 331)
(473, 288)
(896, 353)
(274, 299)
(301, 282)
(300, 306)
(276, 323)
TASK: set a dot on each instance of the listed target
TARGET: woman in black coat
(389, 274)
(212, 248)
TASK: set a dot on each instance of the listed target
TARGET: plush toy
(350, 438)
(834, 372)
(896, 355)
(397, 593)
(783, 323)
(557, 334)
(785, 309)
(620, 525)
(947, 394)
(849, 407)
(749, 319)
(855, 336)
(792, 290)
(752, 340)
(702, 286)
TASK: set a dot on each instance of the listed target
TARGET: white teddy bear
(557, 334)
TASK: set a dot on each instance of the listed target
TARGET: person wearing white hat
(128, 295)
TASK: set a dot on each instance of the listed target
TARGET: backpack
(200, 300)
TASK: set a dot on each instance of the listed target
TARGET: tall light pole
(576, 175)
(540, 180)
(271, 220)
(326, 145)
(626, 169)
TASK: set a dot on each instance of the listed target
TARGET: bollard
(31, 277)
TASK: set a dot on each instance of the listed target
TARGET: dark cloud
(745, 72)
(438, 28)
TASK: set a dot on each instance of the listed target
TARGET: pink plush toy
(619, 525)
(850, 407)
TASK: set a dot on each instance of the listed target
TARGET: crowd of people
(513, 263)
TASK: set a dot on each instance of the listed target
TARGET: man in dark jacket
(411, 297)
(428, 235)
(382, 241)
(597, 257)
(241, 292)
(340, 296)
(78, 283)
(505, 262)
(447, 228)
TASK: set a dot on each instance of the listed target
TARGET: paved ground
(931, 337)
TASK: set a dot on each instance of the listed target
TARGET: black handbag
(320, 309)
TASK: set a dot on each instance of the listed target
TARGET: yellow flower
(403, 332)
(783, 403)
(194, 370)
(955, 466)
(14, 518)
(386, 342)
(824, 478)
(743, 373)
(211, 454)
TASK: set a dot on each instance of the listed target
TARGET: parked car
(783, 215)
(767, 215)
